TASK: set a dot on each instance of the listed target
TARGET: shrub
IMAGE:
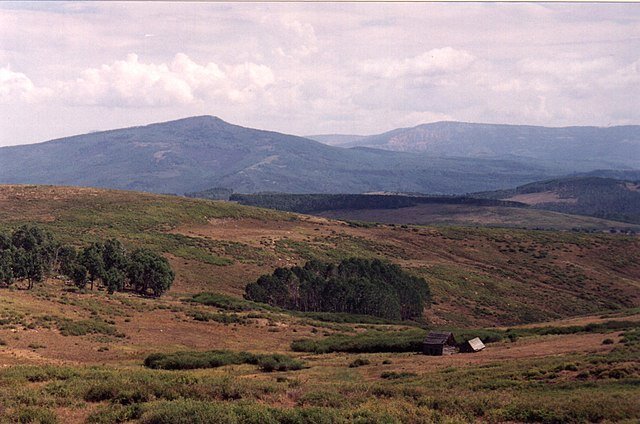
(226, 302)
(69, 327)
(221, 318)
(218, 358)
(359, 362)
(391, 375)
(368, 342)
(276, 362)
(115, 414)
(35, 415)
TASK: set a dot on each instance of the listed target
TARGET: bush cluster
(218, 358)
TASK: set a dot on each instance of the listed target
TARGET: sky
(314, 68)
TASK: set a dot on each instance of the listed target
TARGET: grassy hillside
(484, 216)
(429, 210)
(478, 276)
(585, 195)
(71, 356)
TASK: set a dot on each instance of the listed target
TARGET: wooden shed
(439, 343)
(472, 346)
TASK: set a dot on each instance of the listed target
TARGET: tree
(6, 266)
(149, 271)
(356, 286)
(67, 257)
(79, 275)
(92, 259)
(28, 266)
(114, 255)
(114, 280)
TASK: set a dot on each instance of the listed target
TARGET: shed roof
(438, 337)
(476, 344)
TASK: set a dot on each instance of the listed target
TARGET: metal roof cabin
(439, 343)
(472, 346)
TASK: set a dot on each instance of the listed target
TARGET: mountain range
(202, 152)
(579, 148)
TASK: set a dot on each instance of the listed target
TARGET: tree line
(308, 203)
(356, 286)
(31, 254)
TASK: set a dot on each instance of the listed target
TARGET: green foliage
(307, 203)
(69, 327)
(600, 327)
(79, 275)
(28, 253)
(411, 340)
(606, 198)
(391, 375)
(368, 342)
(221, 318)
(149, 271)
(359, 362)
(218, 358)
(358, 286)
(35, 415)
(226, 302)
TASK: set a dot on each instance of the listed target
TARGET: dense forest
(32, 254)
(594, 196)
(356, 286)
(307, 203)
(214, 193)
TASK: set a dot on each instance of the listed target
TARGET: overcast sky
(314, 68)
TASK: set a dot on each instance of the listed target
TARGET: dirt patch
(542, 197)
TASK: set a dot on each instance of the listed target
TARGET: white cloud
(16, 86)
(133, 83)
(434, 61)
(315, 67)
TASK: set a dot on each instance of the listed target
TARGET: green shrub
(115, 414)
(359, 362)
(368, 342)
(218, 358)
(33, 414)
(221, 318)
(227, 302)
(391, 375)
(276, 362)
(69, 327)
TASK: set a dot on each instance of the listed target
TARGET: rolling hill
(198, 153)
(86, 356)
(487, 209)
(606, 198)
(581, 148)
(478, 276)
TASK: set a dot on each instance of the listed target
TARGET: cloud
(434, 61)
(17, 86)
(133, 83)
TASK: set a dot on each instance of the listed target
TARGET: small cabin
(472, 346)
(439, 343)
